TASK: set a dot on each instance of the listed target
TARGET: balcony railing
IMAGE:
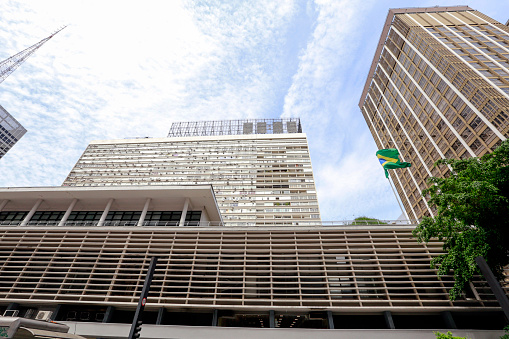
(209, 223)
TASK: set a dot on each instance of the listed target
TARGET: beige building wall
(438, 88)
(258, 179)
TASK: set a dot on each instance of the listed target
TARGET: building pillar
(31, 213)
(144, 212)
(204, 218)
(68, 212)
(160, 316)
(388, 320)
(272, 319)
(105, 212)
(54, 315)
(448, 320)
(2, 204)
(184, 213)
(215, 318)
(330, 320)
(108, 315)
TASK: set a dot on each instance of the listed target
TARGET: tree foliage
(367, 221)
(447, 335)
(472, 217)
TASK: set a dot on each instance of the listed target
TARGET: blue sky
(129, 69)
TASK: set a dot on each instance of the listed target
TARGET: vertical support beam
(448, 320)
(388, 320)
(272, 319)
(31, 213)
(2, 205)
(68, 212)
(108, 315)
(215, 318)
(204, 218)
(144, 212)
(105, 212)
(330, 320)
(54, 315)
(184, 213)
(160, 316)
(494, 285)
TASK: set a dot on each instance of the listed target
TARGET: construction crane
(10, 64)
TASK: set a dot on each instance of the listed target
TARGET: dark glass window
(12, 217)
(47, 216)
(84, 216)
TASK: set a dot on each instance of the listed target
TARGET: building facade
(260, 169)
(10, 131)
(438, 88)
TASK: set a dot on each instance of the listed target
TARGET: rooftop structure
(235, 127)
(438, 88)
(10, 131)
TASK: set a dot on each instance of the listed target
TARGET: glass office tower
(10, 131)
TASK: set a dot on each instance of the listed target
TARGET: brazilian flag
(389, 159)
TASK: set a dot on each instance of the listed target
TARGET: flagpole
(401, 207)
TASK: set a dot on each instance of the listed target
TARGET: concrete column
(330, 320)
(54, 315)
(448, 320)
(184, 213)
(144, 212)
(388, 320)
(108, 315)
(160, 316)
(31, 213)
(68, 212)
(215, 318)
(105, 213)
(2, 204)
(272, 319)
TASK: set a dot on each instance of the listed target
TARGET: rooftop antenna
(10, 64)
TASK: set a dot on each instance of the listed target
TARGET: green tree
(447, 335)
(367, 221)
(472, 216)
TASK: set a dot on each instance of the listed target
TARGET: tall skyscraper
(260, 169)
(10, 131)
(438, 88)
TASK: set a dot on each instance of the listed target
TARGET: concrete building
(438, 88)
(78, 255)
(10, 131)
(260, 169)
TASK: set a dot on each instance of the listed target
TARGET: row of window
(93, 216)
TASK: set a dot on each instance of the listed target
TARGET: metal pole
(136, 325)
(494, 285)
(401, 207)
